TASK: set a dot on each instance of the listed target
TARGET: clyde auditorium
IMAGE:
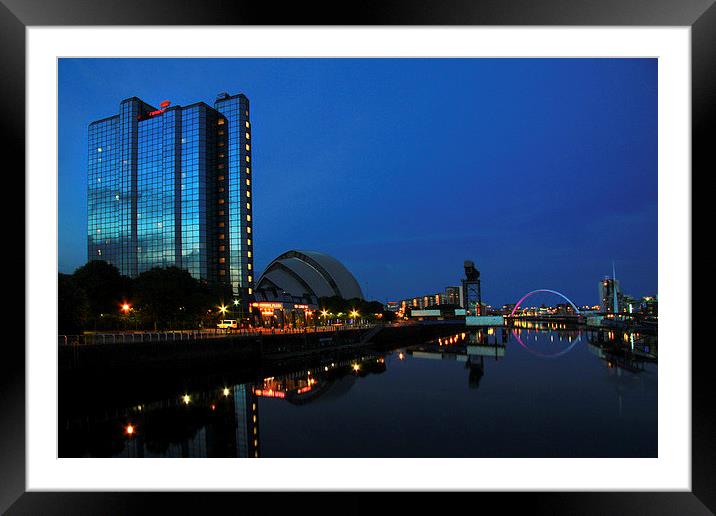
(292, 283)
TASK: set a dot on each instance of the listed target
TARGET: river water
(544, 391)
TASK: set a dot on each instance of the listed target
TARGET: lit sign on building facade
(266, 306)
(162, 108)
(269, 393)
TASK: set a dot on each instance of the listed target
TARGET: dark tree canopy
(171, 295)
(92, 299)
(336, 304)
(104, 286)
(389, 316)
(73, 307)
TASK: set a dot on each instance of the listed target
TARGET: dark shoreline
(121, 374)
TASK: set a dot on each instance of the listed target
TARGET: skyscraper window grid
(168, 187)
(150, 196)
(236, 110)
(102, 188)
(193, 194)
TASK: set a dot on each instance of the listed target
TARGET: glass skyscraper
(172, 186)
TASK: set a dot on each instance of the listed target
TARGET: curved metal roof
(301, 272)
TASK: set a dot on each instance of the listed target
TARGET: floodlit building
(171, 186)
(609, 290)
(289, 289)
(309, 275)
(451, 296)
(392, 306)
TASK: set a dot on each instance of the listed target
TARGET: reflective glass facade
(172, 186)
(237, 182)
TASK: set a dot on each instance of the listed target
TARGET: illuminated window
(248, 158)
(248, 218)
(220, 133)
(248, 229)
(251, 279)
(221, 224)
(221, 236)
(222, 260)
(248, 136)
(247, 124)
(248, 205)
(249, 290)
(221, 201)
(248, 170)
(249, 254)
(220, 144)
(221, 178)
(221, 189)
(249, 266)
(221, 213)
(248, 147)
(222, 248)
(221, 121)
(222, 272)
(248, 194)
(248, 182)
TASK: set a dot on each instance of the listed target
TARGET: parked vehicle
(227, 324)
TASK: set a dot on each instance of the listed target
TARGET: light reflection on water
(497, 392)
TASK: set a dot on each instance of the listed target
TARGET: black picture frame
(17, 15)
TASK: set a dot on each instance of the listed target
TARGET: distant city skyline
(541, 171)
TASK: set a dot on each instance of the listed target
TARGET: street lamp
(125, 308)
(354, 314)
(237, 303)
(222, 310)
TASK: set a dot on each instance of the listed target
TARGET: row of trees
(367, 309)
(97, 297)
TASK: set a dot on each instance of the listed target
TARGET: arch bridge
(543, 290)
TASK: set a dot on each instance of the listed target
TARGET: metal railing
(188, 335)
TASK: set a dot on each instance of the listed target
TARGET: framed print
(415, 250)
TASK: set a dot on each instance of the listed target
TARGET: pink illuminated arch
(530, 294)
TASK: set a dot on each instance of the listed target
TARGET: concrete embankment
(408, 334)
(208, 355)
(195, 353)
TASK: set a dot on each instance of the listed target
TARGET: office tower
(610, 295)
(171, 186)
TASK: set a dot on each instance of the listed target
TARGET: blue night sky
(541, 171)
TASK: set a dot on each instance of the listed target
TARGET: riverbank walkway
(203, 334)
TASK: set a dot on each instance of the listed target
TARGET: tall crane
(471, 295)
